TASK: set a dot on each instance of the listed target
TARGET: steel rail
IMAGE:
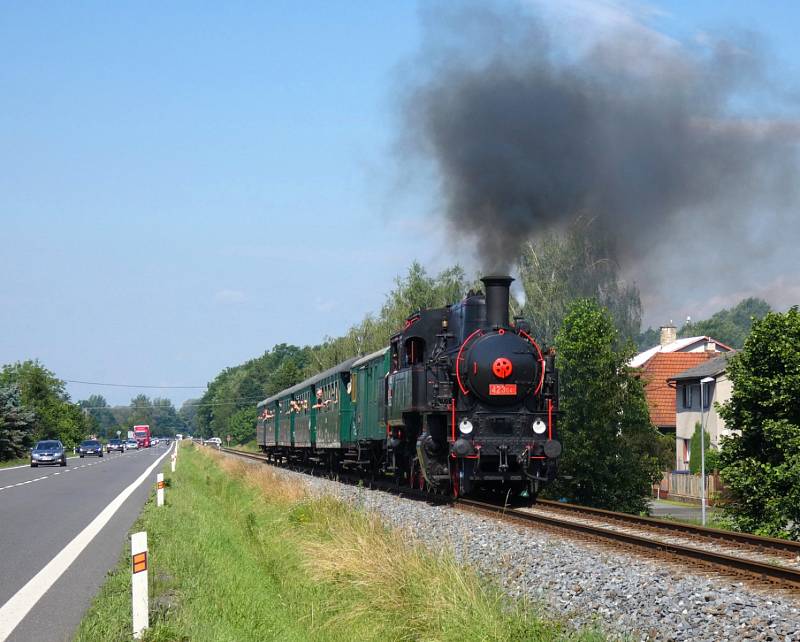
(765, 572)
(243, 453)
(717, 534)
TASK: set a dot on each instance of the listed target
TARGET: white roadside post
(173, 458)
(160, 489)
(139, 598)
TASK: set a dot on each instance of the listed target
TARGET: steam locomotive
(461, 400)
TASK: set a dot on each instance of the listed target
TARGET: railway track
(787, 550)
(693, 548)
(750, 558)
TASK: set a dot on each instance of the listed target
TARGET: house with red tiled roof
(660, 394)
(660, 364)
(698, 402)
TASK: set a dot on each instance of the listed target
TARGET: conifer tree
(16, 424)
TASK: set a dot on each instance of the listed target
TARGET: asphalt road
(43, 509)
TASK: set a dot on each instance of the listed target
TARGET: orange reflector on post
(160, 484)
(140, 562)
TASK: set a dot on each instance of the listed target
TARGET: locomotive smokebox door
(501, 368)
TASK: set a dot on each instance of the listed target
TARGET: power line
(193, 405)
(128, 385)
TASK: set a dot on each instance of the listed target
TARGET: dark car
(48, 453)
(90, 447)
(116, 444)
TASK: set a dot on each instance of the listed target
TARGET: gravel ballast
(588, 584)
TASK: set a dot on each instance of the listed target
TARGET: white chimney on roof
(669, 334)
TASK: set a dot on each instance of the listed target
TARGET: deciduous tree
(760, 464)
(730, 325)
(611, 449)
(242, 426)
(141, 412)
(559, 268)
(97, 407)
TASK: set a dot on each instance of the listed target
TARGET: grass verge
(240, 553)
(10, 463)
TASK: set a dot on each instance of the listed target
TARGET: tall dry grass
(427, 595)
(268, 481)
(382, 576)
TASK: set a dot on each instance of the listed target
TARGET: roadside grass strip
(15, 463)
(241, 553)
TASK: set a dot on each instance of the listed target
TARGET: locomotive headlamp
(539, 427)
(465, 427)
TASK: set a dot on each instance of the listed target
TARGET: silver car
(48, 453)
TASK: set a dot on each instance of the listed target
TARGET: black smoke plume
(628, 127)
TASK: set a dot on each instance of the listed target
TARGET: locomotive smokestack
(497, 292)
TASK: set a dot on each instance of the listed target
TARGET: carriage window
(353, 384)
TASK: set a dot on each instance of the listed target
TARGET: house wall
(686, 416)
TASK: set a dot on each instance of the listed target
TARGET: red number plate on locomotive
(502, 388)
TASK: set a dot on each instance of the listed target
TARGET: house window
(708, 392)
(686, 452)
(687, 396)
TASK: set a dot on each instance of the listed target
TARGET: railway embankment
(628, 595)
(247, 552)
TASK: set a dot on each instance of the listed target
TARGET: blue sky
(175, 178)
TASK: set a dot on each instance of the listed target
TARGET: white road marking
(66, 470)
(13, 611)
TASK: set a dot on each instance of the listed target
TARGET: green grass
(251, 446)
(715, 517)
(241, 554)
(15, 462)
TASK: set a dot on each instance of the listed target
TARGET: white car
(215, 441)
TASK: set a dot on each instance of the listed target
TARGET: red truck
(142, 435)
